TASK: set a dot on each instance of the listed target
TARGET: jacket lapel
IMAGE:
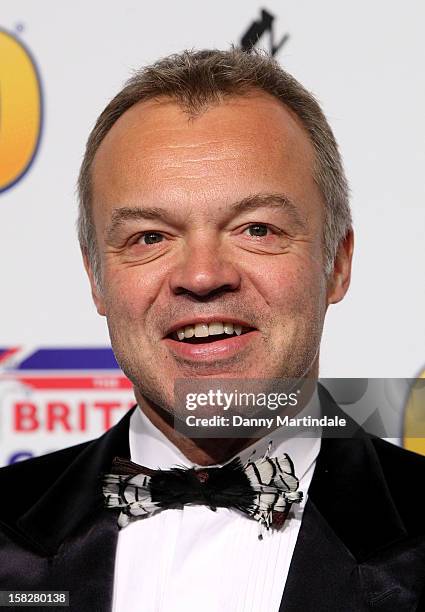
(352, 551)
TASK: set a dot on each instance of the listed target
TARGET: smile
(199, 333)
(213, 339)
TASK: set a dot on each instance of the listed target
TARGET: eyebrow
(135, 213)
(262, 200)
(271, 200)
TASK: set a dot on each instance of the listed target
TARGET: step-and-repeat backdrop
(59, 65)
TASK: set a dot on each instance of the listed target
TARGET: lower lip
(210, 351)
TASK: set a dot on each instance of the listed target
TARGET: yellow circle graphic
(414, 417)
(20, 110)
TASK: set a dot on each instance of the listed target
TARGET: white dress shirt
(197, 560)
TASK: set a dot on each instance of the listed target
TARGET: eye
(150, 238)
(258, 230)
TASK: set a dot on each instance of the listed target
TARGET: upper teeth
(202, 330)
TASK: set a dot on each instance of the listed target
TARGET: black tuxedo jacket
(361, 545)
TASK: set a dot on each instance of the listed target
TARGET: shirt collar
(151, 448)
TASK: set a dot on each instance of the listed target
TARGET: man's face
(207, 226)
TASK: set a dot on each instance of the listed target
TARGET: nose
(204, 272)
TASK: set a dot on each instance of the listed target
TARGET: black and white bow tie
(264, 489)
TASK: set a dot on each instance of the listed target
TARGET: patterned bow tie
(264, 489)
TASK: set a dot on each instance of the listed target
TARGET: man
(215, 230)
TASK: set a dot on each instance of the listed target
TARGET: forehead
(156, 151)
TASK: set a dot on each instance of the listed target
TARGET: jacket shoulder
(404, 473)
(392, 455)
(26, 481)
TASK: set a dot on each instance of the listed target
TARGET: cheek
(128, 295)
(291, 286)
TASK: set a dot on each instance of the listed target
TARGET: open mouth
(207, 333)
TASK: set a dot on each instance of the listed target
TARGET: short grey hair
(198, 79)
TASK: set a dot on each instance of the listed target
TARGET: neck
(202, 451)
(210, 451)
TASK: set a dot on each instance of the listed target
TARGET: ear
(95, 291)
(339, 280)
